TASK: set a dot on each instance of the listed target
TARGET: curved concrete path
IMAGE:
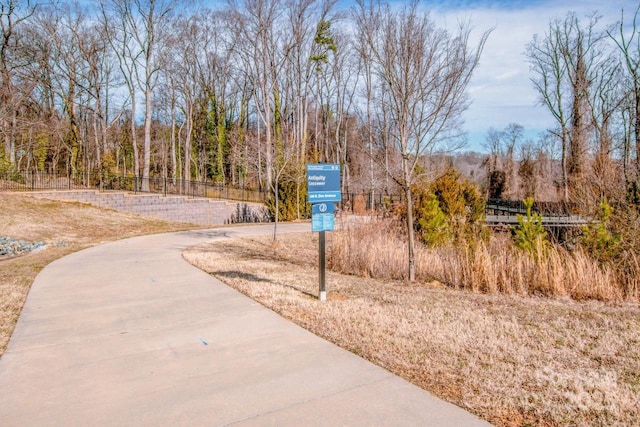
(128, 333)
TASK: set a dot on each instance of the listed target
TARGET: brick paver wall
(170, 208)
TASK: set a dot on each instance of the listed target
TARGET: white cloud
(500, 89)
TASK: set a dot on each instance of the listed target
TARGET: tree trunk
(186, 169)
(275, 224)
(410, 234)
(134, 136)
(637, 130)
(563, 162)
(147, 134)
(174, 160)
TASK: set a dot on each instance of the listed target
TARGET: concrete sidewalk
(128, 333)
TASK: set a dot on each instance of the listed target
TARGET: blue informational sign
(323, 183)
(323, 217)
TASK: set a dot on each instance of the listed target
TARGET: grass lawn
(512, 360)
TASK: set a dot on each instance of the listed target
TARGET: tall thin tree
(424, 72)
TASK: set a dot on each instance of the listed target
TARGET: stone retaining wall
(170, 208)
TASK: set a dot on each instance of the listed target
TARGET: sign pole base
(323, 294)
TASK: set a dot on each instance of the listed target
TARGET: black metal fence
(14, 181)
(352, 202)
(361, 203)
(169, 186)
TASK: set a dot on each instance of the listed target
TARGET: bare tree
(501, 168)
(365, 56)
(66, 31)
(424, 73)
(184, 69)
(344, 74)
(605, 101)
(13, 14)
(564, 62)
(496, 176)
(629, 46)
(513, 135)
(261, 51)
(527, 171)
(98, 79)
(114, 19)
(302, 17)
(138, 35)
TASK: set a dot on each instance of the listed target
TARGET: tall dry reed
(371, 249)
(378, 249)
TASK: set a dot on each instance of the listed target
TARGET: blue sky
(501, 90)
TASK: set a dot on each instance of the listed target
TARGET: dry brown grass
(511, 359)
(377, 249)
(500, 267)
(66, 228)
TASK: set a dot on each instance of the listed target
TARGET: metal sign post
(322, 267)
(323, 184)
(322, 220)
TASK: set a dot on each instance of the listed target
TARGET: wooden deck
(554, 215)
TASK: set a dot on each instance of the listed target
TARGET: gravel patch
(11, 247)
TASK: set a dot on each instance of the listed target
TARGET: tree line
(587, 75)
(242, 94)
(248, 92)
